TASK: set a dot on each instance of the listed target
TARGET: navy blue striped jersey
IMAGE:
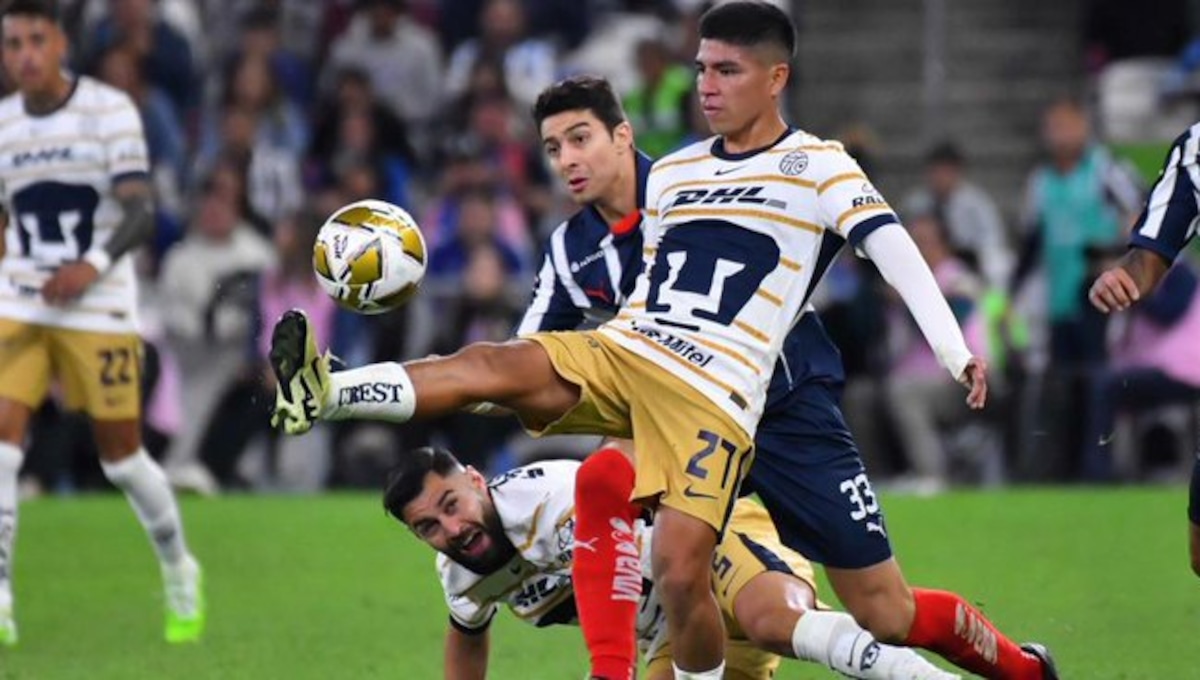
(1169, 219)
(589, 270)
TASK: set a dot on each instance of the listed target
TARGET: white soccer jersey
(735, 244)
(57, 171)
(536, 504)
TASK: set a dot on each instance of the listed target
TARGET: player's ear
(623, 134)
(779, 77)
(476, 477)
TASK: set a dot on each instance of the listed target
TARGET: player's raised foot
(302, 373)
(184, 587)
(1049, 670)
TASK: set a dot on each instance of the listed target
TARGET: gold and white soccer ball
(370, 256)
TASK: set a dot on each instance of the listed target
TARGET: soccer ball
(370, 256)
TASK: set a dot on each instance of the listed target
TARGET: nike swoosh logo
(687, 491)
(726, 171)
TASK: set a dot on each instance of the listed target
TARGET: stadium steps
(861, 62)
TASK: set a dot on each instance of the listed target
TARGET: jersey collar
(718, 148)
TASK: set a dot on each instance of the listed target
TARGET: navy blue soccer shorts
(809, 475)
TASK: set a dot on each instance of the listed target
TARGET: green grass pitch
(327, 587)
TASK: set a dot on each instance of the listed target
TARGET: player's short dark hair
(45, 9)
(580, 93)
(750, 23)
(945, 153)
(406, 481)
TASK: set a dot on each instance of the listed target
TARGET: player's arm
(852, 208)
(898, 260)
(466, 653)
(135, 228)
(1166, 225)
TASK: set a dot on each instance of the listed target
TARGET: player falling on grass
(719, 294)
(77, 200)
(1166, 226)
(511, 542)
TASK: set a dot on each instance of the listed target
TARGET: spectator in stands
(1155, 362)
(921, 398)
(517, 163)
(1080, 199)
(270, 175)
(207, 286)
(658, 108)
(973, 224)
(530, 64)
(475, 228)
(352, 95)
(260, 39)
(400, 56)
(279, 123)
(165, 55)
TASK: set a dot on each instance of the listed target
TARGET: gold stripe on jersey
(681, 362)
(652, 212)
(38, 142)
(830, 146)
(717, 211)
(131, 134)
(791, 264)
(637, 305)
(881, 207)
(34, 280)
(795, 181)
(649, 250)
(754, 332)
(836, 179)
(773, 299)
(736, 356)
(681, 161)
(533, 527)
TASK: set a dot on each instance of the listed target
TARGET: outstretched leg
(516, 375)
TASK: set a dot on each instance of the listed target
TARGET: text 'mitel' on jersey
(734, 246)
(57, 171)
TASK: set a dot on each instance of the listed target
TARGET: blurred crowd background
(1015, 139)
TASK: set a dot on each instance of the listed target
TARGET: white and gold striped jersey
(57, 171)
(734, 245)
(536, 505)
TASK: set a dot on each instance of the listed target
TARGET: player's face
(584, 154)
(33, 51)
(737, 85)
(455, 516)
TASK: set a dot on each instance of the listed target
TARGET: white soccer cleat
(301, 372)
(183, 586)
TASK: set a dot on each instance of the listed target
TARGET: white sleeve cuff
(902, 266)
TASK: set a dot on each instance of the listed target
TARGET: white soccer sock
(715, 674)
(10, 465)
(835, 639)
(380, 391)
(146, 486)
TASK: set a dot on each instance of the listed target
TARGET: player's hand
(1114, 291)
(69, 282)
(974, 377)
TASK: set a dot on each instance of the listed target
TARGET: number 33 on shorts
(864, 506)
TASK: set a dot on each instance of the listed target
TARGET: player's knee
(605, 474)
(14, 421)
(117, 440)
(682, 577)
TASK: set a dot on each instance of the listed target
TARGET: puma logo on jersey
(724, 195)
(62, 153)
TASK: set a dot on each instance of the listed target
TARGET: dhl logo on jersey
(725, 195)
